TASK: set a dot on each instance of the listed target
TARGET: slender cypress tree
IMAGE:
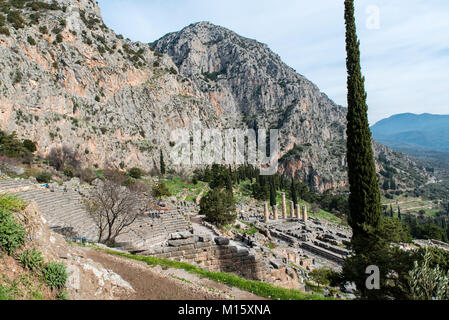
(364, 200)
(272, 193)
(294, 192)
(162, 164)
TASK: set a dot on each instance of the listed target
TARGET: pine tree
(364, 199)
(399, 213)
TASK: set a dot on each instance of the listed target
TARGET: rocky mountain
(67, 79)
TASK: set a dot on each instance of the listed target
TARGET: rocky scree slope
(66, 78)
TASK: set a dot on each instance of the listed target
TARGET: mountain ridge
(427, 131)
(67, 79)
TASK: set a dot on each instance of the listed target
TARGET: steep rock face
(82, 85)
(255, 88)
(66, 78)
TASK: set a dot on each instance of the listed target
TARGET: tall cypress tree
(294, 192)
(364, 200)
(272, 193)
(163, 170)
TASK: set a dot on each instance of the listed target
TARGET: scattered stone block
(222, 241)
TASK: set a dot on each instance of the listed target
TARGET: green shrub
(135, 173)
(43, 30)
(59, 38)
(44, 177)
(323, 276)
(62, 295)
(29, 145)
(31, 259)
(69, 171)
(11, 203)
(12, 234)
(173, 71)
(16, 19)
(55, 275)
(5, 31)
(161, 190)
(31, 41)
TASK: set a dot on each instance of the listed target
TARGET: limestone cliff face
(113, 100)
(252, 86)
(256, 89)
(66, 78)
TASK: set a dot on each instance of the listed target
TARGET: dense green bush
(44, 177)
(12, 234)
(31, 41)
(135, 173)
(43, 30)
(69, 171)
(324, 276)
(16, 19)
(55, 275)
(31, 259)
(29, 145)
(161, 190)
(219, 207)
(11, 203)
(5, 31)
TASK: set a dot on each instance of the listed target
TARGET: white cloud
(406, 61)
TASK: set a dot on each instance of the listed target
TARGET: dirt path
(157, 284)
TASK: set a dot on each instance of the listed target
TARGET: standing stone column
(275, 213)
(305, 216)
(292, 209)
(284, 207)
(298, 211)
(267, 213)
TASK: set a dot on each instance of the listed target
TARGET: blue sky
(405, 44)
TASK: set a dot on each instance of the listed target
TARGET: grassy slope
(15, 281)
(410, 202)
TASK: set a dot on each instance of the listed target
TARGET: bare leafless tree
(114, 208)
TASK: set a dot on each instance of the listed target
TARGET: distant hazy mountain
(425, 136)
(425, 132)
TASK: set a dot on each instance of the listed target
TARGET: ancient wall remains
(212, 254)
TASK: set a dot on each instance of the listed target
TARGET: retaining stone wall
(207, 254)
